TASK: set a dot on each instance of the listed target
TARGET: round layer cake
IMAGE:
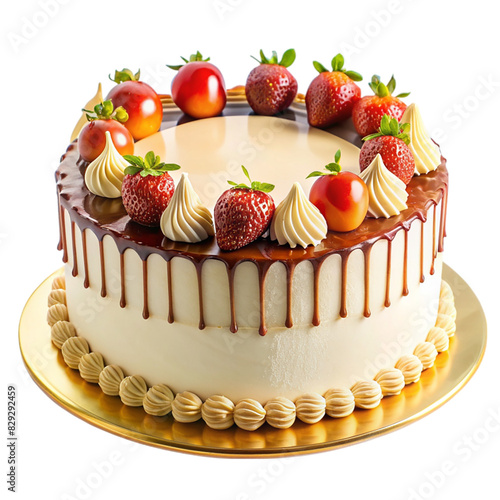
(266, 320)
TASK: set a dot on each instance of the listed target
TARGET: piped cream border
(219, 412)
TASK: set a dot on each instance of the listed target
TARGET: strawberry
(332, 94)
(243, 213)
(370, 109)
(391, 142)
(147, 188)
(270, 87)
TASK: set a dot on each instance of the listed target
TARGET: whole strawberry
(270, 87)
(147, 188)
(243, 213)
(391, 142)
(332, 94)
(369, 110)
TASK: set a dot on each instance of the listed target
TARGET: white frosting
(310, 360)
(387, 192)
(297, 221)
(104, 176)
(425, 151)
(186, 219)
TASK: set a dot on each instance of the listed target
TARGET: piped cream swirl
(387, 192)
(297, 221)
(186, 219)
(425, 151)
(104, 176)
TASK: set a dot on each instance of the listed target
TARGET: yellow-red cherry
(341, 196)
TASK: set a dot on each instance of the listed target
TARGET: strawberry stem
(125, 75)
(254, 185)
(338, 65)
(192, 58)
(391, 126)
(105, 111)
(149, 165)
(286, 60)
(332, 168)
(382, 90)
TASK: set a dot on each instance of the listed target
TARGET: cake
(268, 332)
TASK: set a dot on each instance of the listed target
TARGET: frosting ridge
(297, 221)
(426, 152)
(186, 219)
(387, 192)
(104, 176)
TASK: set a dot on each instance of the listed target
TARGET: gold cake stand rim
(49, 373)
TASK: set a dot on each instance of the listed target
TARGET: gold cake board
(451, 371)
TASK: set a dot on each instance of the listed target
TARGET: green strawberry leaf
(257, 186)
(130, 170)
(338, 63)
(149, 165)
(149, 159)
(391, 85)
(288, 58)
(404, 94)
(316, 173)
(192, 58)
(391, 126)
(319, 67)
(354, 75)
(262, 186)
(337, 156)
(332, 168)
(125, 75)
(135, 161)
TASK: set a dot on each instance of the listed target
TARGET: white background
(54, 53)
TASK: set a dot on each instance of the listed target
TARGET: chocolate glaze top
(108, 216)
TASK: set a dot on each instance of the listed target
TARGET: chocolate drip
(123, 294)
(85, 260)
(316, 270)
(230, 274)
(62, 239)
(367, 313)
(262, 270)
(442, 223)
(434, 250)
(343, 291)
(290, 268)
(108, 217)
(103, 269)
(422, 277)
(74, 271)
(405, 264)
(387, 301)
(198, 266)
(170, 296)
(145, 309)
